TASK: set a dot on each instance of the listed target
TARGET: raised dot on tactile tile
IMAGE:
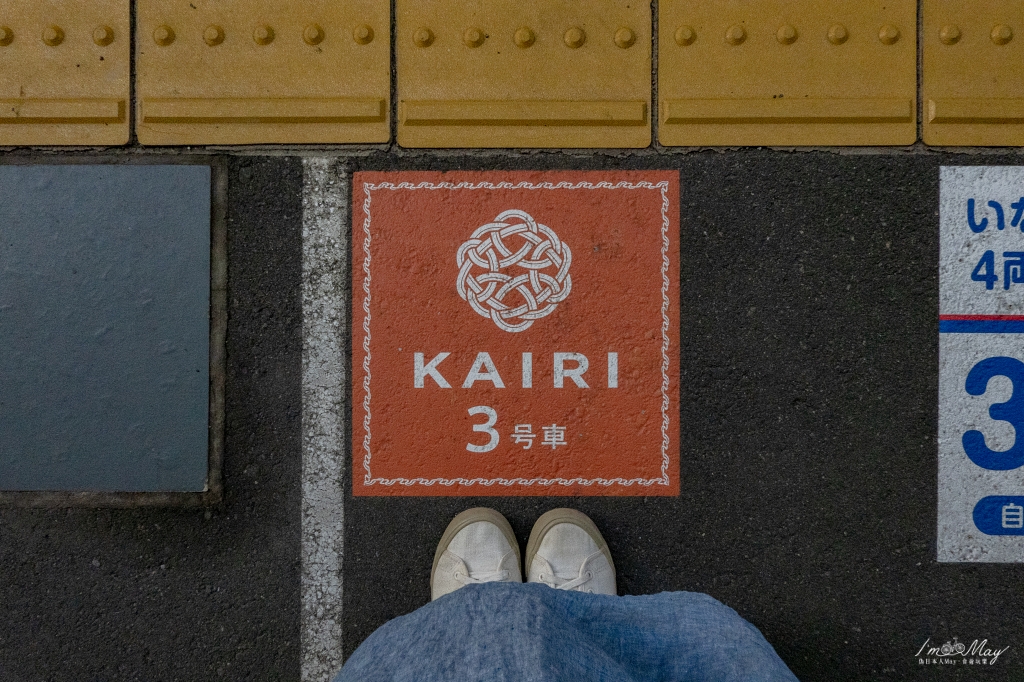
(625, 37)
(163, 36)
(313, 34)
(423, 37)
(362, 34)
(837, 34)
(103, 35)
(6, 36)
(263, 35)
(53, 35)
(786, 34)
(575, 37)
(1002, 34)
(888, 34)
(524, 37)
(473, 37)
(685, 35)
(213, 35)
(735, 35)
(950, 35)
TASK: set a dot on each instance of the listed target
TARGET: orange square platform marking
(515, 333)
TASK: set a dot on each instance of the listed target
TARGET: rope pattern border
(369, 480)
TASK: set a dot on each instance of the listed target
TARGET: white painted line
(324, 278)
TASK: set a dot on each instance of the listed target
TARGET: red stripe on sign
(981, 317)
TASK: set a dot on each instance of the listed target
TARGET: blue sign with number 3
(1011, 411)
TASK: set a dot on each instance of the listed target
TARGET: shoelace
(549, 578)
(552, 580)
(494, 577)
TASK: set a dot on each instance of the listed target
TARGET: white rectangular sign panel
(981, 365)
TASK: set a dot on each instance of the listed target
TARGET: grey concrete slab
(105, 326)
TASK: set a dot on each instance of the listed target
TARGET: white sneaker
(567, 552)
(477, 547)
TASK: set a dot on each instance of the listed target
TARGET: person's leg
(670, 636)
(533, 633)
(450, 638)
(497, 632)
(684, 636)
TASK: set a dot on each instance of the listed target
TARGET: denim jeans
(530, 632)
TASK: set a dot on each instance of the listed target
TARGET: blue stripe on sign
(981, 326)
(1000, 515)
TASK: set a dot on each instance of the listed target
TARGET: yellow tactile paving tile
(787, 72)
(523, 73)
(64, 72)
(973, 72)
(260, 72)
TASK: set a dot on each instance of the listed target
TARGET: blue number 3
(1011, 411)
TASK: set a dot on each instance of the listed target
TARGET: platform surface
(808, 458)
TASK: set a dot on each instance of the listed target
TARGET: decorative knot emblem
(521, 283)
